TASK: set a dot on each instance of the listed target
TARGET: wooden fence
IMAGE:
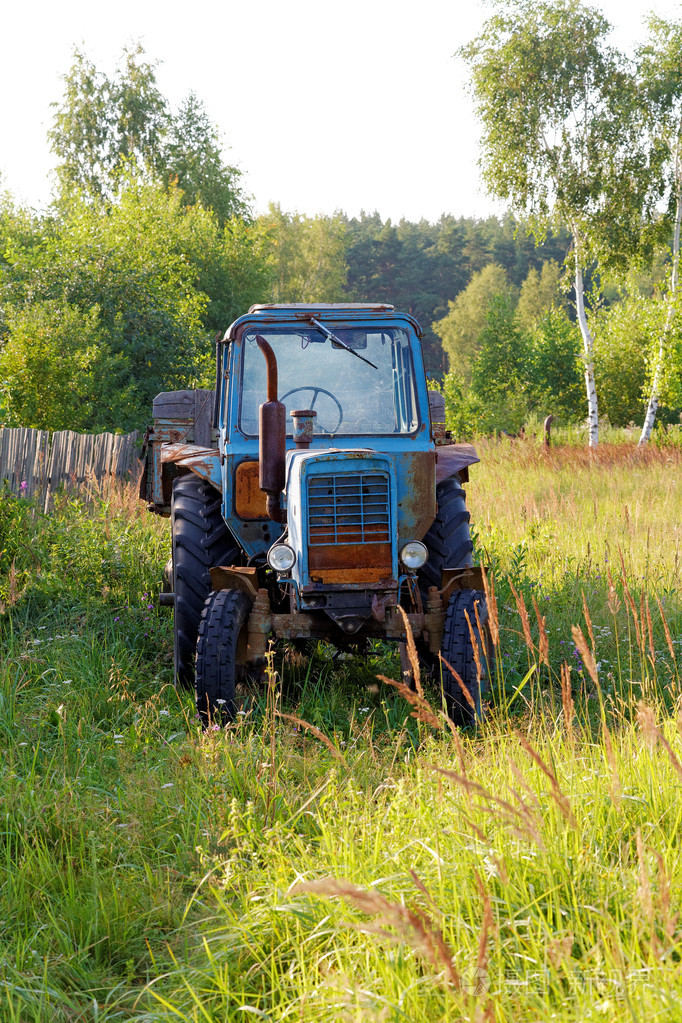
(35, 463)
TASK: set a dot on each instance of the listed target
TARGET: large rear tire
(201, 540)
(460, 638)
(221, 654)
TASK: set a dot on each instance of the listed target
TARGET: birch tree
(558, 143)
(660, 71)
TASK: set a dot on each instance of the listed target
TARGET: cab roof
(334, 311)
(317, 306)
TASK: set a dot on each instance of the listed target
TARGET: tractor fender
(203, 462)
(452, 459)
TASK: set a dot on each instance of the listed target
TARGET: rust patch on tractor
(249, 500)
(339, 563)
(418, 501)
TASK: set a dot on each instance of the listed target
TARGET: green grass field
(380, 868)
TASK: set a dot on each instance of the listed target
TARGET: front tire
(221, 654)
(201, 540)
(458, 650)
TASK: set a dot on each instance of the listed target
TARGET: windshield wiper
(336, 343)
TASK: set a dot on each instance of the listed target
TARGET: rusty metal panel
(350, 563)
(203, 462)
(249, 499)
(417, 493)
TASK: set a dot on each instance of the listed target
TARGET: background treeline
(150, 249)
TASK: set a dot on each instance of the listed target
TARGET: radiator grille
(348, 508)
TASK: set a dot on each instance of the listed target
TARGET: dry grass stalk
(491, 601)
(543, 645)
(668, 920)
(666, 630)
(559, 950)
(653, 735)
(588, 622)
(467, 695)
(418, 883)
(314, 731)
(567, 699)
(474, 643)
(615, 787)
(559, 797)
(639, 635)
(526, 786)
(523, 615)
(13, 593)
(481, 635)
(423, 711)
(613, 599)
(647, 723)
(519, 819)
(487, 924)
(458, 747)
(412, 926)
(585, 653)
(412, 653)
(645, 894)
(650, 629)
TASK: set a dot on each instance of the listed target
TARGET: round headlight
(281, 557)
(414, 554)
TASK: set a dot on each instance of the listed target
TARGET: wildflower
(164, 713)
(168, 785)
(23, 485)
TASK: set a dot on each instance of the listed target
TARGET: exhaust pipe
(272, 438)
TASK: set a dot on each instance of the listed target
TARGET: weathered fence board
(35, 463)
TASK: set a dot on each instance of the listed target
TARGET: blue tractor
(314, 495)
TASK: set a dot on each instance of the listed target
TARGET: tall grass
(340, 853)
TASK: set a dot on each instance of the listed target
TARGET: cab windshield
(349, 395)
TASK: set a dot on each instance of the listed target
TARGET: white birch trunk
(588, 356)
(659, 366)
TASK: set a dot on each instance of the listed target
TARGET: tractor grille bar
(348, 508)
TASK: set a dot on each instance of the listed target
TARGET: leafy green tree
(559, 140)
(462, 328)
(132, 280)
(308, 256)
(500, 376)
(626, 351)
(660, 74)
(540, 292)
(109, 130)
(59, 370)
(462, 409)
(554, 366)
(192, 161)
(106, 129)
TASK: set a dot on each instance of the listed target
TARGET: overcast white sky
(355, 105)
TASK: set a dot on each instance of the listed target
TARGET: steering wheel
(316, 391)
